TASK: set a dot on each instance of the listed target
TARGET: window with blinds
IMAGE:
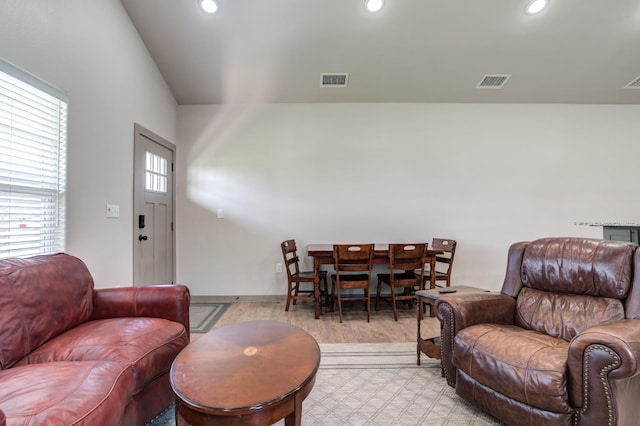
(33, 134)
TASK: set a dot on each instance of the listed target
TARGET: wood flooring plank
(328, 329)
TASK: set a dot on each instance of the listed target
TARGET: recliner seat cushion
(530, 368)
(66, 393)
(148, 345)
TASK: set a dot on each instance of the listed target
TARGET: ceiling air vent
(635, 84)
(493, 81)
(334, 79)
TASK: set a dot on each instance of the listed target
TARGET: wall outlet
(278, 267)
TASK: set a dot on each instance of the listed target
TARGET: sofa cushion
(578, 266)
(40, 297)
(565, 277)
(148, 345)
(531, 369)
(66, 393)
(562, 315)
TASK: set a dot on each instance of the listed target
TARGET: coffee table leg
(180, 421)
(295, 417)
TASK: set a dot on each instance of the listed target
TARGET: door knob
(142, 238)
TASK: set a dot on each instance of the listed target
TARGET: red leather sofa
(74, 355)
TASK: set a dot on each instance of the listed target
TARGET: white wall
(91, 51)
(485, 175)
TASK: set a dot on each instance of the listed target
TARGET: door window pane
(156, 173)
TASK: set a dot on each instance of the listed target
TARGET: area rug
(202, 316)
(379, 384)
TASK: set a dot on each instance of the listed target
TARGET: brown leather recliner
(559, 345)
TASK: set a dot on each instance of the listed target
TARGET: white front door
(153, 237)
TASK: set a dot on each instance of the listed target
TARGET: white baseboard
(231, 299)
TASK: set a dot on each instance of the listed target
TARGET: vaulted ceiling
(274, 51)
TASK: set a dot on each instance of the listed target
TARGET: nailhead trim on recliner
(451, 320)
(603, 380)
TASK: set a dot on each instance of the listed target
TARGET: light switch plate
(113, 211)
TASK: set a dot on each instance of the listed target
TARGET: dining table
(322, 254)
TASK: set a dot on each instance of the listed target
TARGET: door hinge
(171, 166)
(171, 226)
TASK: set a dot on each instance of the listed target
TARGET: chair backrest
(444, 262)
(407, 257)
(353, 257)
(290, 255)
(569, 284)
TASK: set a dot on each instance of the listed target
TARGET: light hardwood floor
(328, 329)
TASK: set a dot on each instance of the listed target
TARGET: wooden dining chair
(406, 273)
(296, 278)
(353, 264)
(443, 262)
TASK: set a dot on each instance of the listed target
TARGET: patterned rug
(379, 384)
(202, 316)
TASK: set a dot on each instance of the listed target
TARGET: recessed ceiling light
(536, 6)
(209, 6)
(374, 5)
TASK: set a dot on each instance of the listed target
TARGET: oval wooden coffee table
(249, 373)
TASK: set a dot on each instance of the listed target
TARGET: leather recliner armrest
(170, 302)
(458, 311)
(603, 370)
(476, 308)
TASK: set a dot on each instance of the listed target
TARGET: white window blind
(33, 134)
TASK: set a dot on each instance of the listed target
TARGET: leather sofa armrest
(604, 361)
(170, 302)
(458, 311)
